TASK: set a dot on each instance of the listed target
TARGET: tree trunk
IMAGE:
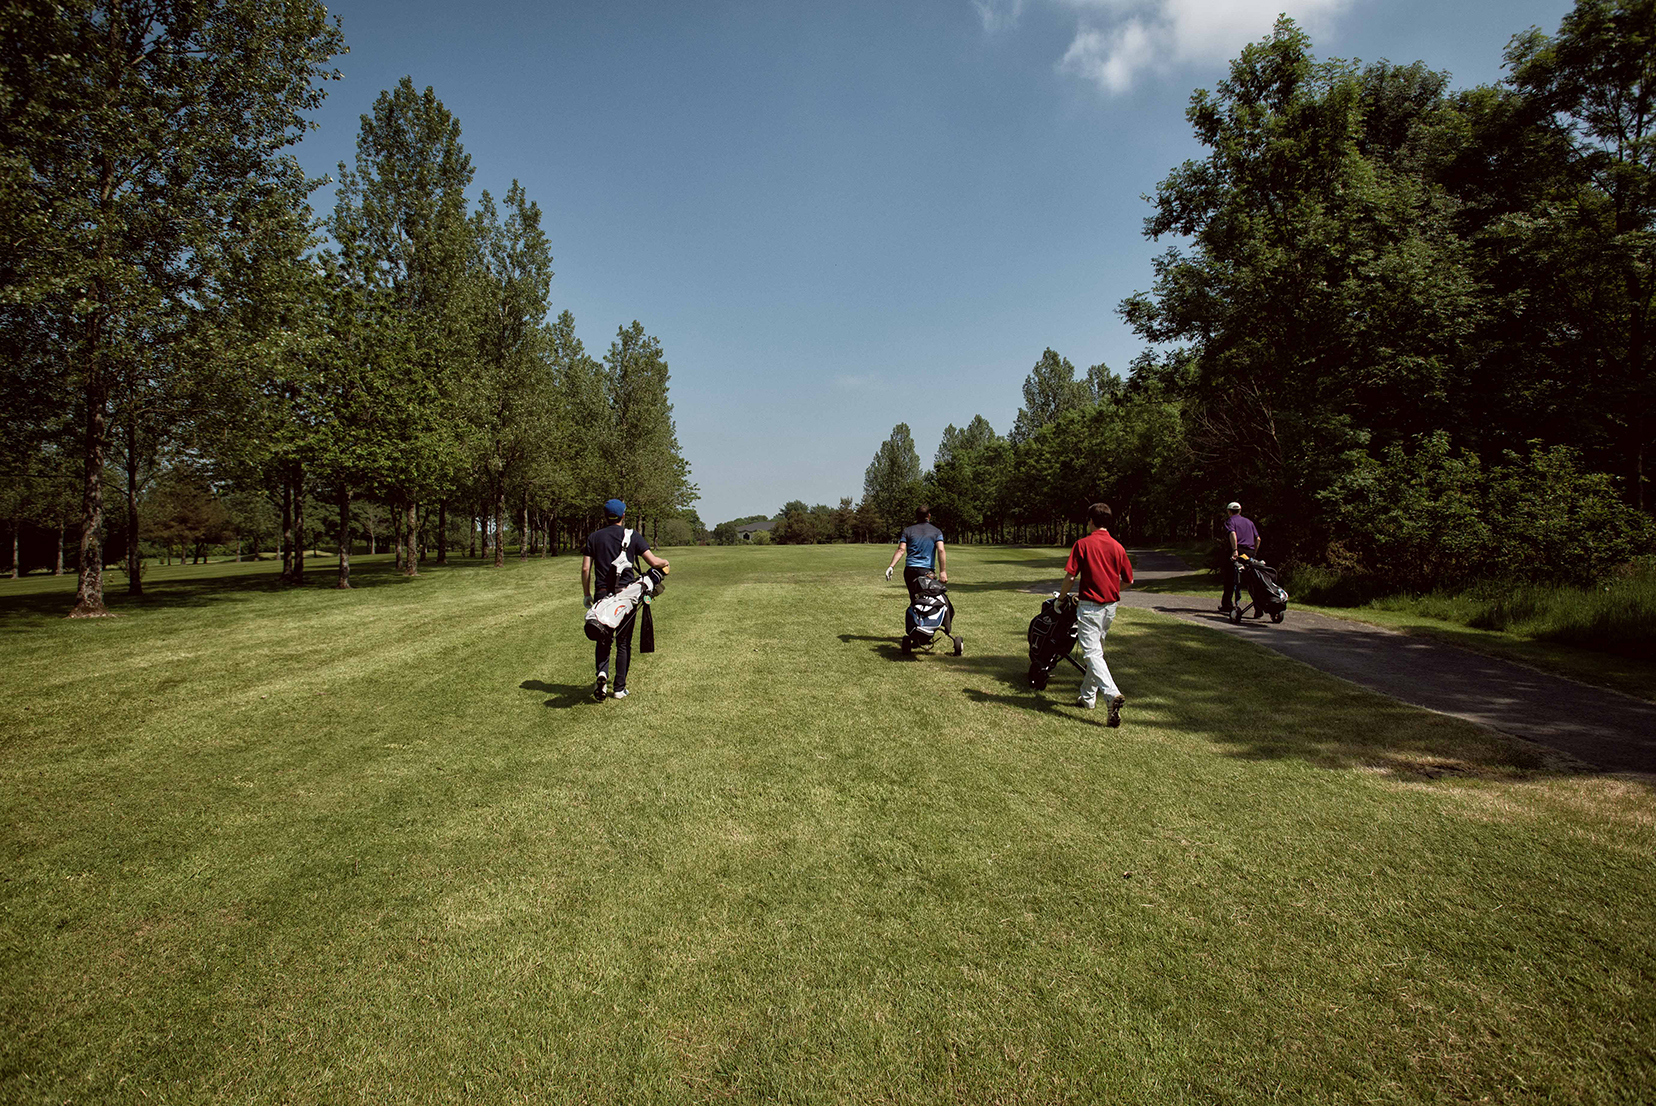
(523, 532)
(500, 523)
(287, 527)
(344, 536)
(442, 532)
(16, 526)
(298, 524)
(471, 537)
(135, 579)
(58, 571)
(89, 601)
(411, 524)
(397, 538)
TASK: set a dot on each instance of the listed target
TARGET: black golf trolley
(1052, 635)
(1265, 595)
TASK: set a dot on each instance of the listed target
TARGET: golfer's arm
(586, 577)
(902, 547)
(653, 561)
(1233, 542)
(942, 559)
(1069, 581)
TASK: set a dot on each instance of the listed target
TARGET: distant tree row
(173, 315)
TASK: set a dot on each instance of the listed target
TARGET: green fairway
(296, 845)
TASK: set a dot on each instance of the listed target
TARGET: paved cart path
(1604, 728)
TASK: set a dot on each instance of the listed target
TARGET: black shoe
(1224, 609)
(599, 687)
(1114, 718)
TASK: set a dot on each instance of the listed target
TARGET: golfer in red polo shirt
(1101, 564)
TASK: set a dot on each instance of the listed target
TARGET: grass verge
(297, 845)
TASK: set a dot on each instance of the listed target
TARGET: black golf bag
(1265, 595)
(927, 612)
(1052, 636)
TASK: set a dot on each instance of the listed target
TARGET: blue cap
(614, 508)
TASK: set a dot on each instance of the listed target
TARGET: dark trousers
(1233, 579)
(910, 575)
(622, 639)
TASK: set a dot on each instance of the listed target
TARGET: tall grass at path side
(266, 845)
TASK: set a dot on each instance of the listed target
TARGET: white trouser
(1092, 622)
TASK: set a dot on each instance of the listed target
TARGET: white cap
(1233, 505)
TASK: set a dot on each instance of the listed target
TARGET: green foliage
(400, 219)
(1050, 392)
(141, 167)
(891, 484)
(675, 531)
(1435, 517)
(639, 441)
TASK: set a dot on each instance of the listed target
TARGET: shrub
(1436, 518)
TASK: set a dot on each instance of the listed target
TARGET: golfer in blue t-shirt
(920, 548)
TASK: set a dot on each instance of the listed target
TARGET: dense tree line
(185, 342)
(1408, 326)
(1387, 281)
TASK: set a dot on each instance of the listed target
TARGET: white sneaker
(1085, 704)
(620, 693)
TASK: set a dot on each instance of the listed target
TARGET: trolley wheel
(1037, 678)
(1278, 616)
(908, 647)
(1236, 615)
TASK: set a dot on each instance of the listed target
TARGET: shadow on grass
(22, 611)
(1180, 680)
(1195, 581)
(1045, 562)
(1044, 702)
(889, 648)
(1037, 583)
(564, 696)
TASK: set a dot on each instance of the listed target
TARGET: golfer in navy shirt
(612, 551)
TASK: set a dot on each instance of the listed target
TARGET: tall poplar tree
(891, 483)
(406, 205)
(511, 394)
(641, 442)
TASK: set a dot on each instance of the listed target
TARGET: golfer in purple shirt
(1244, 538)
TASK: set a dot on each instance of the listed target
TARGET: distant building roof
(752, 526)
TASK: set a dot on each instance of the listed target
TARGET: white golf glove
(888, 573)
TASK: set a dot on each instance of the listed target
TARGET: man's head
(614, 509)
(1100, 515)
(1234, 507)
(922, 514)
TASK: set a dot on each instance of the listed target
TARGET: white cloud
(1117, 41)
(998, 15)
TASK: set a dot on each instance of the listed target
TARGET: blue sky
(841, 216)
